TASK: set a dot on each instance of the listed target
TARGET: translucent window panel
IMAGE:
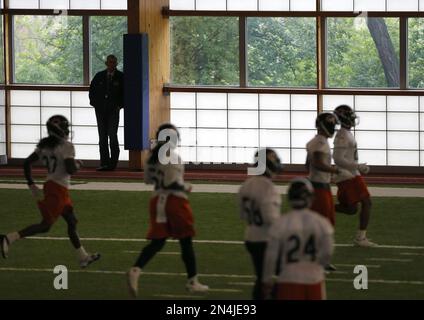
(421, 4)
(274, 58)
(85, 135)
(22, 151)
(303, 5)
(85, 4)
(23, 4)
(399, 103)
(371, 121)
(402, 5)
(25, 115)
(212, 119)
(243, 138)
(300, 138)
(354, 59)
(24, 98)
(212, 155)
(242, 5)
(304, 102)
(21, 133)
(422, 104)
(372, 157)
(371, 139)
(205, 51)
(211, 5)
(303, 119)
(241, 155)
(2, 97)
(367, 5)
(298, 156)
(415, 52)
(242, 101)
(284, 155)
(2, 115)
(370, 103)
(182, 100)
(54, 4)
(274, 101)
(183, 118)
(84, 117)
(56, 98)
(86, 152)
(46, 113)
(114, 4)
(421, 121)
(2, 148)
(273, 5)
(121, 118)
(211, 137)
(124, 155)
(243, 119)
(106, 37)
(2, 133)
(80, 99)
(403, 158)
(275, 119)
(181, 4)
(212, 101)
(337, 5)
(121, 135)
(332, 102)
(48, 49)
(275, 138)
(187, 137)
(403, 140)
(402, 121)
(187, 154)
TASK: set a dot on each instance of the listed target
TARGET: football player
(352, 189)
(301, 243)
(58, 154)
(260, 205)
(170, 211)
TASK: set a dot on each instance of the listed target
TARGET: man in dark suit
(106, 96)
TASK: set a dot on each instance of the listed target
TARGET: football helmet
(58, 126)
(300, 193)
(327, 122)
(273, 162)
(347, 116)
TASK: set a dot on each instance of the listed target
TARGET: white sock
(12, 237)
(193, 279)
(362, 234)
(82, 254)
(136, 270)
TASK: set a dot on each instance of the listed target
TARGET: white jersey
(260, 205)
(167, 178)
(319, 144)
(346, 152)
(54, 159)
(302, 241)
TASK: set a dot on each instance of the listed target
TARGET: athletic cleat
(132, 280)
(330, 267)
(4, 245)
(365, 243)
(89, 260)
(195, 286)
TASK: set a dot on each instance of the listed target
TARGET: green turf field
(394, 273)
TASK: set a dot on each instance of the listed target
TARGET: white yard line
(354, 265)
(176, 296)
(390, 260)
(411, 254)
(216, 242)
(220, 188)
(164, 253)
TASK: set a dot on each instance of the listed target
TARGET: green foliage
(416, 53)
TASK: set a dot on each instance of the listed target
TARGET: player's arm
(33, 157)
(318, 162)
(270, 263)
(326, 245)
(72, 165)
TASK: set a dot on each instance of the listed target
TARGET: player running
(301, 243)
(58, 154)
(352, 189)
(260, 205)
(170, 211)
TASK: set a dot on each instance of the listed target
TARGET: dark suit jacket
(102, 97)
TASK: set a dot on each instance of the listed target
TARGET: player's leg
(257, 253)
(189, 259)
(364, 218)
(344, 189)
(350, 210)
(85, 259)
(145, 256)
(112, 132)
(102, 124)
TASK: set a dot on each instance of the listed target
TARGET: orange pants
(323, 204)
(179, 219)
(56, 201)
(295, 291)
(352, 191)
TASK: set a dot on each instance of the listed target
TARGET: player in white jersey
(301, 243)
(58, 155)
(352, 188)
(260, 205)
(170, 211)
